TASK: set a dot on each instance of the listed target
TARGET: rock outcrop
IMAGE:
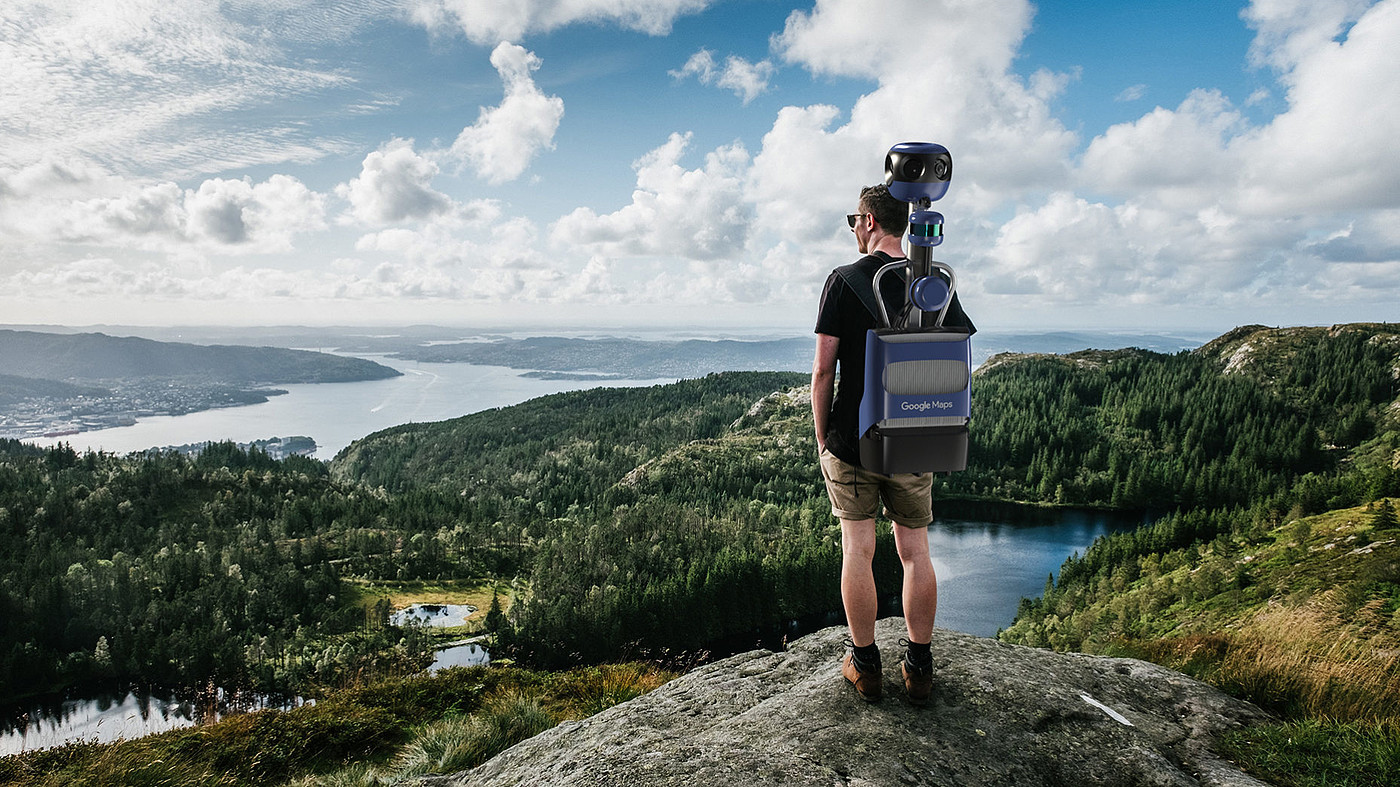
(999, 715)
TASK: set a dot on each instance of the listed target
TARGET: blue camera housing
(918, 171)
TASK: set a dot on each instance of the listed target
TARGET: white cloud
(224, 216)
(747, 80)
(1131, 93)
(843, 38)
(1371, 238)
(1183, 149)
(962, 93)
(505, 138)
(698, 214)
(1335, 145)
(395, 184)
(492, 21)
(156, 211)
(1291, 31)
(1330, 151)
(391, 280)
(1071, 251)
(267, 215)
(440, 246)
(498, 260)
(153, 87)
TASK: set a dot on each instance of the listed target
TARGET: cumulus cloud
(1077, 252)
(1331, 149)
(505, 138)
(228, 216)
(699, 214)
(232, 212)
(1334, 145)
(395, 184)
(747, 80)
(962, 93)
(1300, 210)
(1289, 32)
(491, 21)
(841, 38)
(1185, 148)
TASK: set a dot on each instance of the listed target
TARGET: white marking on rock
(1112, 714)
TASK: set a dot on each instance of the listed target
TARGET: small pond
(460, 654)
(436, 615)
(126, 715)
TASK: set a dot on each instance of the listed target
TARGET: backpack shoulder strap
(862, 284)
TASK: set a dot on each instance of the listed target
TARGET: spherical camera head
(918, 171)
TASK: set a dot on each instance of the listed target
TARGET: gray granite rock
(999, 715)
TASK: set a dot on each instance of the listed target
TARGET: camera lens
(941, 167)
(911, 169)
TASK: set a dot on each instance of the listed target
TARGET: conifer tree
(1384, 518)
(495, 618)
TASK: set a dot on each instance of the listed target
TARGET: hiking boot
(918, 683)
(867, 681)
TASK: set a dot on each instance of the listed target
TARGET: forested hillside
(159, 568)
(1342, 386)
(642, 521)
(732, 532)
(536, 459)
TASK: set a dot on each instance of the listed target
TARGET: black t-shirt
(841, 314)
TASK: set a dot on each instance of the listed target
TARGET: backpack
(916, 407)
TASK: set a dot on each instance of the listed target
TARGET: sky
(561, 164)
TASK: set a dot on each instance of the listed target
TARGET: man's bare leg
(858, 579)
(920, 584)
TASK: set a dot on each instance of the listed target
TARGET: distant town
(119, 403)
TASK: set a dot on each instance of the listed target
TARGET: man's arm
(823, 384)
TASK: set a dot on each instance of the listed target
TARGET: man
(842, 321)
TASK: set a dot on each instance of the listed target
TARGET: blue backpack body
(917, 403)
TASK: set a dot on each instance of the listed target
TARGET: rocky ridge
(1000, 715)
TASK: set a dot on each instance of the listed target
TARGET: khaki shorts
(856, 493)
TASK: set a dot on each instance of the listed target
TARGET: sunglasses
(851, 219)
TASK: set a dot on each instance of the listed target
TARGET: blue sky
(630, 163)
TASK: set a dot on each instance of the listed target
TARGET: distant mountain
(634, 358)
(97, 356)
(639, 358)
(684, 353)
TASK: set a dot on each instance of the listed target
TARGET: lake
(337, 414)
(984, 569)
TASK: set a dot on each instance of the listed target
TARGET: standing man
(856, 493)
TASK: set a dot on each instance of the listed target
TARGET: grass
(1313, 636)
(1319, 753)
(1297, 662)
(367, 736)
(459, 743)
